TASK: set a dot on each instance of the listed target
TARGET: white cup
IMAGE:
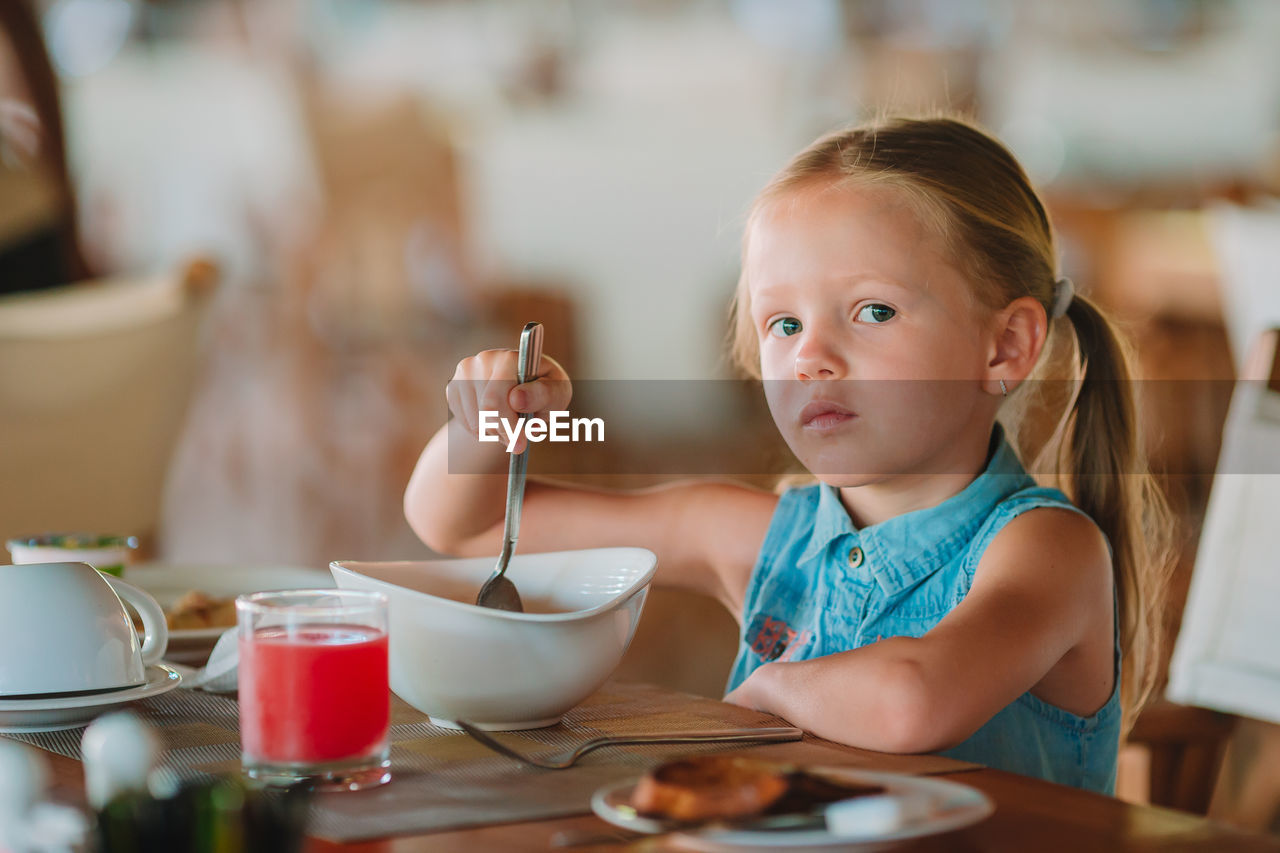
(64, 629)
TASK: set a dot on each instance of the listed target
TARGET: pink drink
(313, 693)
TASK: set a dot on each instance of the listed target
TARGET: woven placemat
(442, 779)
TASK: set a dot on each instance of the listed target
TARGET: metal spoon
(498, 591)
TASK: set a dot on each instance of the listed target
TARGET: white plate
(955, 806)
(68, 712)
(169, 582)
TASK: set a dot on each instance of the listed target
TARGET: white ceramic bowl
(109, 554)
(501, 670)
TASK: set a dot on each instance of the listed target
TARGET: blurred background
(372, 189)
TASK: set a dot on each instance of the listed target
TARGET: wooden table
(1030, 815)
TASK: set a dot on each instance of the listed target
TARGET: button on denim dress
(822, 586)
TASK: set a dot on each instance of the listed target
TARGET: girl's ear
(1018, 335)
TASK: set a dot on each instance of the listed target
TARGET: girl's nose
(818, 360)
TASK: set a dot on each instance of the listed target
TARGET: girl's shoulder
(1032, 496)
(743, 514)
(1046, 511)
(732, 493)
(1046, 521)
(729, 523)
(1041, 537)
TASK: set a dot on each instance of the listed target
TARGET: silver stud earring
(1004, 390)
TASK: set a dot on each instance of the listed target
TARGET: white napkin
(219, 674)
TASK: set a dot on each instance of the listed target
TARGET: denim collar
(903, 550)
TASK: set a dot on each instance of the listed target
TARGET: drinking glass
(315, 704)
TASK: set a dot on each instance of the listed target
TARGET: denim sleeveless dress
(822, 586)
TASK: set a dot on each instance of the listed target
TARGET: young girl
(898, 290)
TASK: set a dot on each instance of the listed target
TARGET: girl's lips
(821, 414)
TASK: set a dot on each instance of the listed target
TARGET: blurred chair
(1225, 656)
(389, 252)
(94, 383)
(1184, 751)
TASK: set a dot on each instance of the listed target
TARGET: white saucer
(69, 712)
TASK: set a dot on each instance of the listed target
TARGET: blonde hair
(972, 192)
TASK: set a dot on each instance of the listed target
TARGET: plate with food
(199, 600)
(718, 802)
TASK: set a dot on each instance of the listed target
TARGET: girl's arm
(706, 535)
(1042, 596)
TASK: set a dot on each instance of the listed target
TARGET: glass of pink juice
(315, 704)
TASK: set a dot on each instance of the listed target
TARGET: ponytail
(1104, 471)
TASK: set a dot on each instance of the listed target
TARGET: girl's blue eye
(784, 327)
(876, 313)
